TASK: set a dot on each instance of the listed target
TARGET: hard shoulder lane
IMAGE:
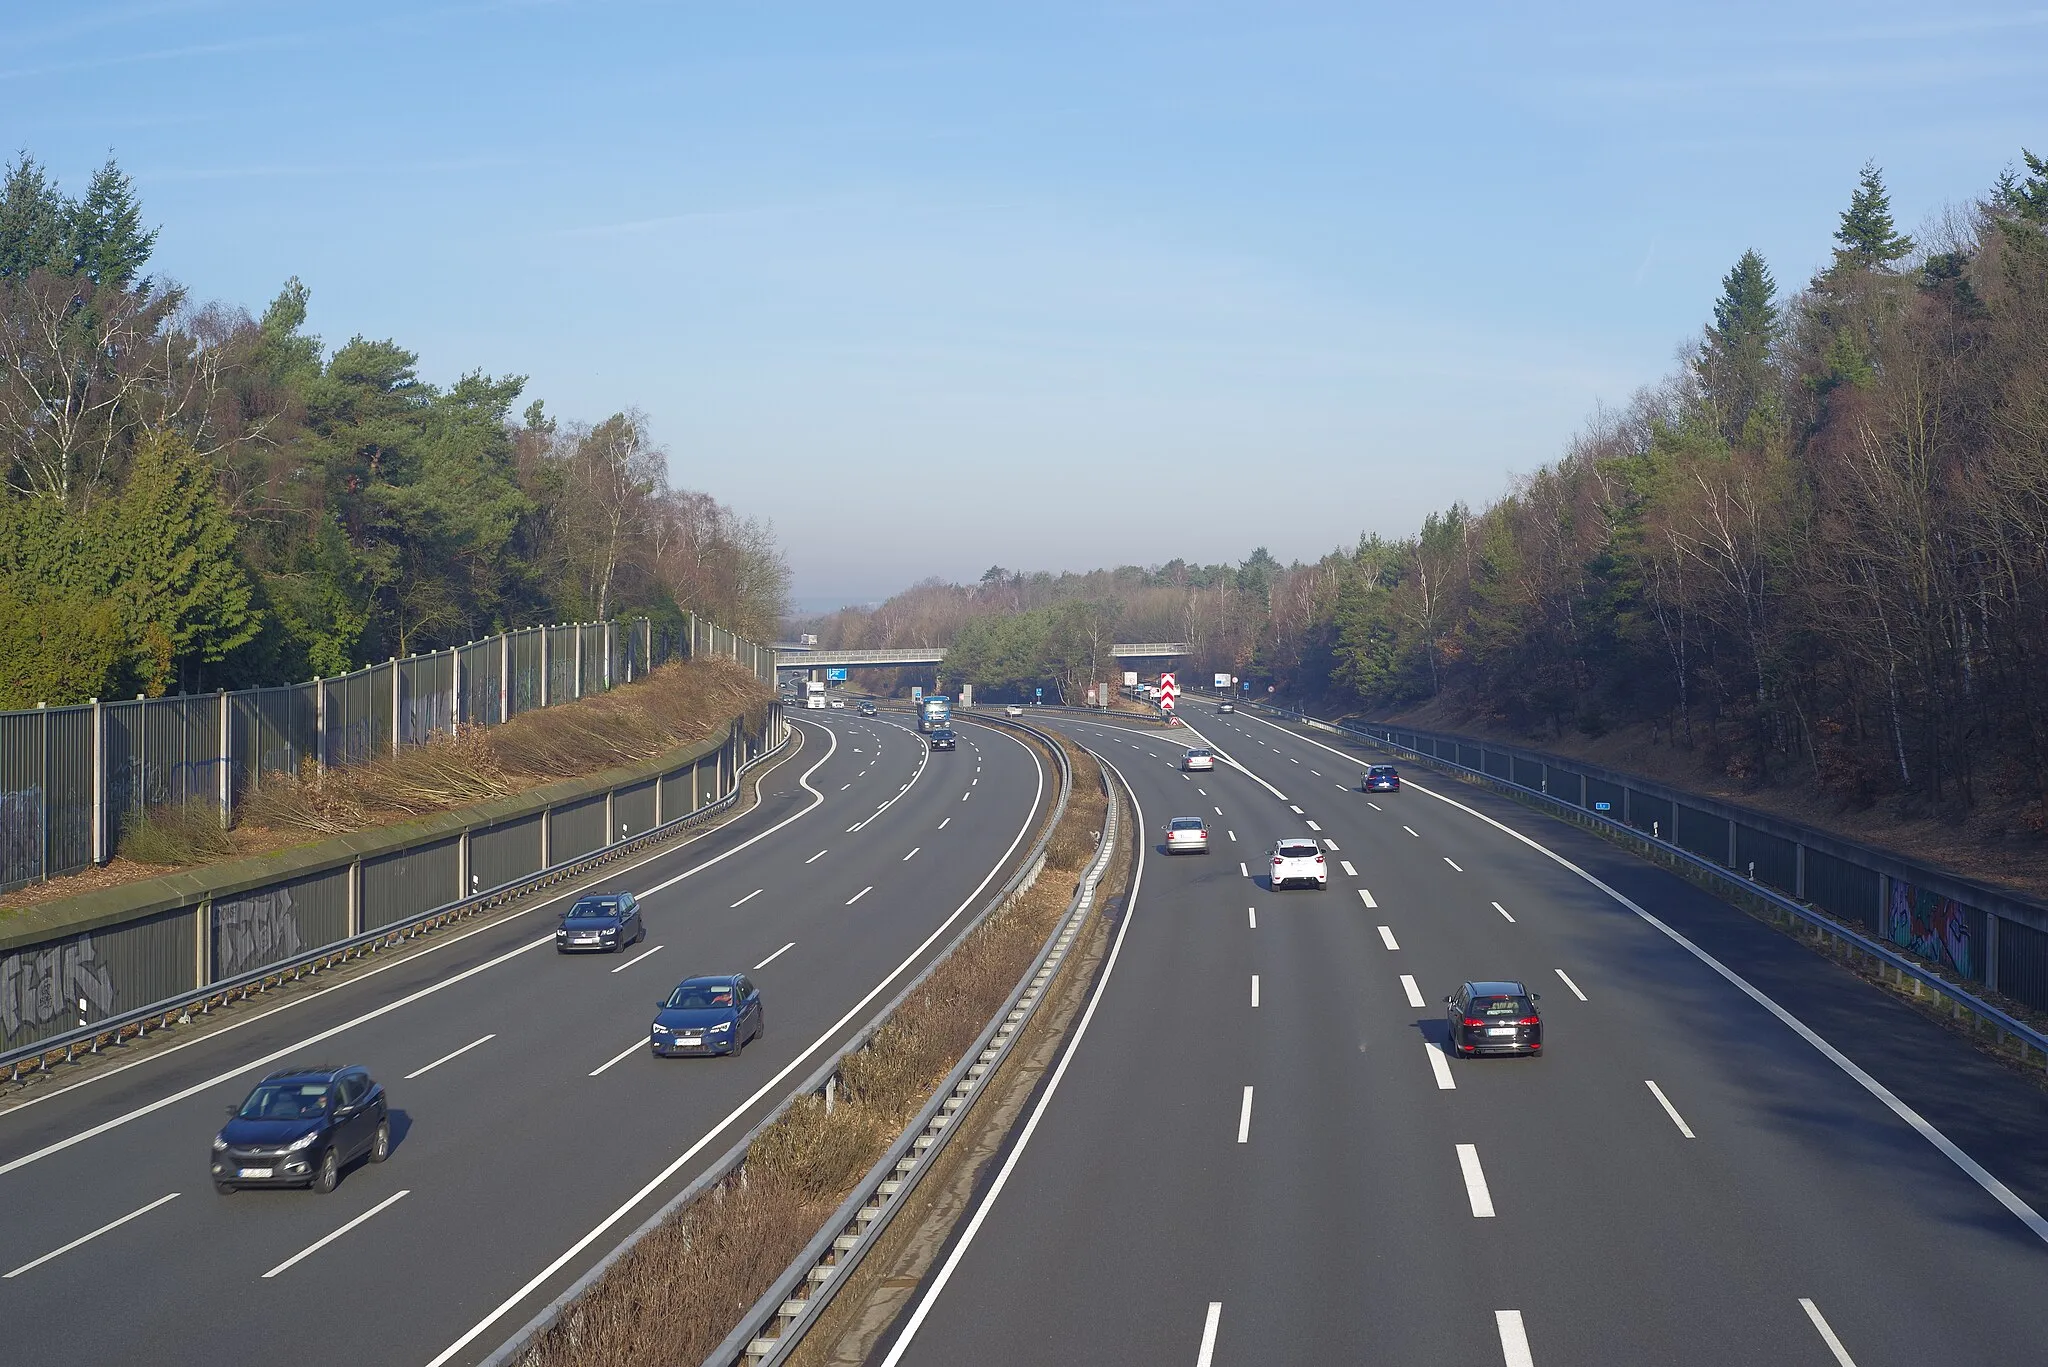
(500, 1130)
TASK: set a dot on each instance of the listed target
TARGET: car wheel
(380, 1147)
(329, 1176)
(226, 1188)
(760, 1024)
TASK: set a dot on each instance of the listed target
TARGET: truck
(934, 713)
(814, 693)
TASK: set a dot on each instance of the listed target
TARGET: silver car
(1187, 835)
(1198, 758)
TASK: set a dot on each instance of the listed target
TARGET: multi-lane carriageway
(533, 1129)
(1253, 1150)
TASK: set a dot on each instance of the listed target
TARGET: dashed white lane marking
(1374, 805)
(844, 786)
(1209, 1322)
(1475, 1182)
(421, 1072)
(1317, 772)
(816, 857)
(1439, 1066)
(945, 823)
(1514, 1340)
(1411, 830)
(1328, 843)
(1453, 863)
(1345, 864)
(1340, 787)
(1827, 1334)
(1292, 760)
(84, 1239)
(1292, 808)
(1244, 1118)
(1312, 826)
(912, 855)
(1387, 937)
(624, 1054)
(1219, 811)
(651, 949)
(1253, 914)
(1572, 985)
(1255, 989)
(1242, 869)
(1231, 834)
(969, 793)
(1414, 992)
(862, 893)
(1365, 894)
(310, 1249)
(1503, 911)
(744, 900)
(1669, 1109)
(773, 957)
(1203, 791)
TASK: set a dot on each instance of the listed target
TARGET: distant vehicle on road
(1013, 711)
(710, 1015)
(944, 739)
(814, 694)
(608, 922)
(1197, 759)
(301, 1128)
(1226, 707)
(934, 712)
(867, 709)
(1381, 778)
(1187, 835)
(839, 703)
(1494, 1018)
(1298, 861)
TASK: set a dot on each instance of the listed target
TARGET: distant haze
(1049, 286)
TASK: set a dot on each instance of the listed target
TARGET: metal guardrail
(43, 1054)
(824, 1079)
(793, 1303)
(1998, 1021)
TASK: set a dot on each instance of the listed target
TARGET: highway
(1254, 1150)
(533, 1130)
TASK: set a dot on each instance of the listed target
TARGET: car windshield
(699, 998)
(1186, 823)
(1501, 1006)
(592, 911)
(942, 735)
(1381, 771)
(1198, 754)
(286, 1101)
(1298, 849)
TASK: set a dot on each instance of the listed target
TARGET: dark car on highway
(867, 709)
(1494, 1018)
(1381, 778)
(714, 1015)
(300, 1128)
(944, 739)
(601, 924)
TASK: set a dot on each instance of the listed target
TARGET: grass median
(679, 1292)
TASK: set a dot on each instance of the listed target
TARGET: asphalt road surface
(533, 1129)
(1256, 1152)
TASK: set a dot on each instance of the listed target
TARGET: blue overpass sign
(835, 676)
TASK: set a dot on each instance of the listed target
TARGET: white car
(1198, 758)
(1298, 861)
(1187, 835)
(1225, 707)
(1013, 711)
(839, 703)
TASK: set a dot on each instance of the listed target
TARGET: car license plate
(691, 1041)
(254, 1172)
(1502, 1030)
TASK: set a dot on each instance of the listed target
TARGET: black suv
(300, 1128)
(1494, 1018)
(943, 739)
(867, 709)
(606, 923)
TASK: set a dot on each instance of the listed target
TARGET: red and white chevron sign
(1169, 689)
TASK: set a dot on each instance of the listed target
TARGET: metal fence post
(394, 702)
(1990, 951)
(202, 944)
(544, 653)
(227, 772)
(43, 771)
(504, 674)
(354, 879)
(454, 688)
(319, 724)
(1799, 872)
(99, 783)
(576, 688)
(608, 654)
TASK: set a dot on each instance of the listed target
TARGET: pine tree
(104, 241)
(1868, 236)
(1735, 363)
(32, 219)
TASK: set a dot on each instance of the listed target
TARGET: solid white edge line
(1052, 1087)
(1439, 1066)
(1387, 938)
(1669, 1109)
(1827, 1334)
(655, 1183)
(1976, 1171)
(1244, 1117)
(1475, 1182)
(351, 981)
(422, 1072)
(773, 957)
(1567, 979)
(1207, 1351)
(84, 1239)
(310, 1249)
(1414, 992)
(653, 949)
(623, 1055)
(1514, 1339)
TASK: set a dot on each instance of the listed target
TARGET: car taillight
(1471, 1023)
(1530, 1020)
(1278, 860)
(1319, 859)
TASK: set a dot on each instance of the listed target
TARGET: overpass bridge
(807, 657)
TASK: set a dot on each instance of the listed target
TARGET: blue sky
(940, 286)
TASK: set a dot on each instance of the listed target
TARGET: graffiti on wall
(251, 931)
(1936, 928)
(21, 835)
(41, 987)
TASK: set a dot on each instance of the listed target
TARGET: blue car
(300, 1128)
(601, 924)
(714, 1015)
(1381, 778)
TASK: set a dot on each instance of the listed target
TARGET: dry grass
(680, 1291)
(161, 836)
(673, 706)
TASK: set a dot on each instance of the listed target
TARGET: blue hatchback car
(711, 1015)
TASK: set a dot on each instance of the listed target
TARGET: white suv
(1198, 758)
(1298, 861)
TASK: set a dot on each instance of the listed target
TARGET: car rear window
(1298, 849)
(1501, 1006)
(1187, 823)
